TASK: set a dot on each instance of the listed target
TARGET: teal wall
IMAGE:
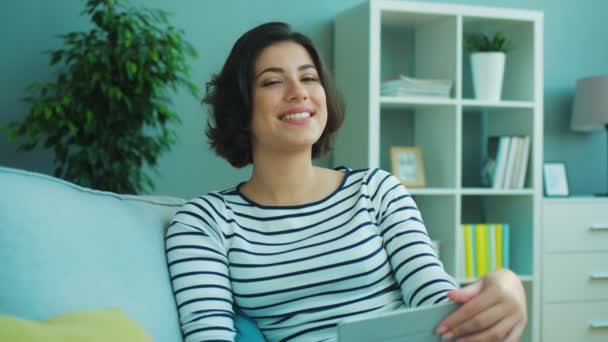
(576, 45)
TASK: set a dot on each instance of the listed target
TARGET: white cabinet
(575, 269)
(379, 39)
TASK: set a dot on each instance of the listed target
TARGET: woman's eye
(310, 79)
(270, 82)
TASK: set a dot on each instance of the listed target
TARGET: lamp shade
(590, 104)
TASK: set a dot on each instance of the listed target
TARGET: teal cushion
(247, 330)
(65, 248)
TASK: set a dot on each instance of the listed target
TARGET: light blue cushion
(66, 248)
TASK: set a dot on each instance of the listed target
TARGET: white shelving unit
(383, 38)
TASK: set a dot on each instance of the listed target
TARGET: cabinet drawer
(575, 322)
(575, 225)
(575, 276)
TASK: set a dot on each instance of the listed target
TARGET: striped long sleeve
(418, 271)
(198, 266)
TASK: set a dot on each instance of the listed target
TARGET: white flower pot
(488, 70)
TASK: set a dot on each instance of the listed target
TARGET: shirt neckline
(347, 172)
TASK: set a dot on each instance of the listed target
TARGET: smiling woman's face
(289, 105)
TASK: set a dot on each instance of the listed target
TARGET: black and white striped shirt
(298, 270)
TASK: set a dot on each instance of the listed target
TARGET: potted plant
(488, 58)
(107, 115)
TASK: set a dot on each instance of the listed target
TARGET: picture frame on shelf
(408, 166)
(555, 179)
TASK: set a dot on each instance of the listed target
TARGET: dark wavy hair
(229, 94)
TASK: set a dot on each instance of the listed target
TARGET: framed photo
(407, 165)
(555, 179)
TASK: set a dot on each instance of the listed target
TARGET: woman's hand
(493, 309)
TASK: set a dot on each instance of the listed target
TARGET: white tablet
(412, 325)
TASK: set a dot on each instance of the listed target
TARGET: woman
(298, 247)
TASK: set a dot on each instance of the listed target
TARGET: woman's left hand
(493, 309)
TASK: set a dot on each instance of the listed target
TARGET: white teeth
(296, 116)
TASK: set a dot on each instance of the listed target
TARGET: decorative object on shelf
(401, 85)
(107, 115)
(408, 166)
(488, 58)
(590, 111)
(555, 179)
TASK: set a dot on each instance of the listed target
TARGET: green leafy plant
(479, 42)
(107, 114)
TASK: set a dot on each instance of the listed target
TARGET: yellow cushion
(110, 324)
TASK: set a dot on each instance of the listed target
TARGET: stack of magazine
(401, 85)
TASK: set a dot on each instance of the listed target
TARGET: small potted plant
(488, 56)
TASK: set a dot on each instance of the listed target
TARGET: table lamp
(591, 107)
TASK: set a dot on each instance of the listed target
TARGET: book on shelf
(483, 247)
(523, 166)
(401, 85)
(510, 164)
(506, 162)
(511, 175)
(505, 245)
(468, 250)
(498, 245)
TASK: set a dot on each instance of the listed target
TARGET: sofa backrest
(65, 248)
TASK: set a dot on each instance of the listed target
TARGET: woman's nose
(297, 92)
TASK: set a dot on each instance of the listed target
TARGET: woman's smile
(297, 116)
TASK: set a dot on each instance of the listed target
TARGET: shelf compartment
(418, 45)
(517, 211)
(410, 127)
(440, 224)
(478, 125)
(519, 76)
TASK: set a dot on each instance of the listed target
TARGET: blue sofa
(65, 248)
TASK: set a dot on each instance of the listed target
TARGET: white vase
(488, 70)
